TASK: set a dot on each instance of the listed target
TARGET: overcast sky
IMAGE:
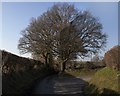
(16, 17)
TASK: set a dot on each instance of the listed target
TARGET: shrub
(111, 58)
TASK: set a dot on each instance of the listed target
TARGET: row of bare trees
(62, 33)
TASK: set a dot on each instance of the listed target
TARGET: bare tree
(63, 33)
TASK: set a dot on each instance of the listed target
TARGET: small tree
(63, 33)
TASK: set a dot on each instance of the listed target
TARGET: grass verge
(82, 73)
(105, 81)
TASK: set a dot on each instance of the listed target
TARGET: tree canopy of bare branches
(63, 33)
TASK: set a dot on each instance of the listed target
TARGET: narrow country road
(61, 84)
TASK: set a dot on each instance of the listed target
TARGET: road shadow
(60, 84)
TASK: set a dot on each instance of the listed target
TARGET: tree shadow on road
(61, 84)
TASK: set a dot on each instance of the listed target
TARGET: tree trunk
(50, 59)
(46, 60)
(63, 66)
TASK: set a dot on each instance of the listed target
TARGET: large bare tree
(63, 33)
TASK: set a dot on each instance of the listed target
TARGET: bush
(111, 58)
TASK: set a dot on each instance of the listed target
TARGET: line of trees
(62, 33)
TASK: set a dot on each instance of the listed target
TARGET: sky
(16, 17)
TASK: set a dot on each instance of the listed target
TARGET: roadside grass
(105, 81)
(82, 72)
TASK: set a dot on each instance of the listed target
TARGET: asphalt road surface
(61, 84)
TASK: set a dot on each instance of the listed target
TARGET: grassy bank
(82, 73)
(105, 81)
